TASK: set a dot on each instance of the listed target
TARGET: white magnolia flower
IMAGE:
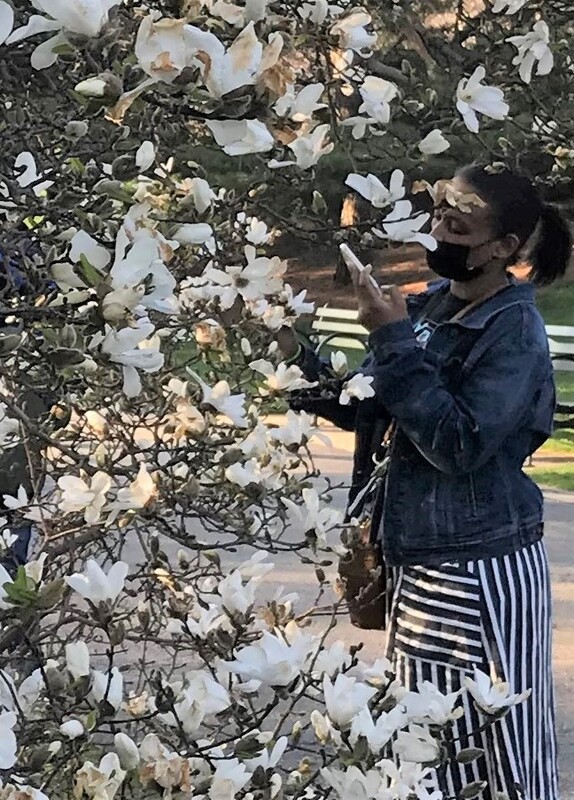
(401, 225)
(92, 87)
(140, 493)
(220, 398)
(268, 758)
(377, 95)
(493, 697)
(407, 779)
(234, 595)
(533, 49)
(102, 782)
(428, 706)
(434, 143)
(373, 190)
(510, 6)
(317, 11)
(194, 233)
(229, 778)
(352, 784)
(108, 686)
(200, 192)
(339, 363)
(200, 697)
(9, 427)
(95, 585)
(311, 517)
(8, 744)
(241, 137)
(81, 17)
(473, 98)
(86, 496)
(254, 11)
(298, 428)
(300, 106)
(168, 769)
(378, 673)
(163, 48)
(129, 348)
(345, 698)
(324, 730)
(296, 303)
(143, 263)
(281, 378)
(78, 659)
(26, 174)
(6, 20)
(332, 659)
(145, 155)
(260, 277)
(359, 387)
(359, 125)
(417, 745)
(256, 231)
(82, 244)
(377, 732)
(271, 661)
(308, 149)
(352, 33)
(256, 566)
(241, 64)
(73, 729)
(202, 621)
(127, 751)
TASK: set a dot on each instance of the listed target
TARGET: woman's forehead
(471, 207)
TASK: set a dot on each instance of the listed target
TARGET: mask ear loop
(484, 263)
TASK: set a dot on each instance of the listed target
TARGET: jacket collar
(516, 293)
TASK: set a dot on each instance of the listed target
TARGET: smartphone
(351, 260)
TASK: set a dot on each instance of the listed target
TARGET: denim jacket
(469, 408)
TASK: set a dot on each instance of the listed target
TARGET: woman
(464, 372)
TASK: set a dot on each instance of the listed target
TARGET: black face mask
(450, 261)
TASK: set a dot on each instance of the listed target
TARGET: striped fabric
(493, 614)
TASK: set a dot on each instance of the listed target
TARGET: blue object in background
(17, 554)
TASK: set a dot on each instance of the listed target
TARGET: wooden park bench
(338, 328)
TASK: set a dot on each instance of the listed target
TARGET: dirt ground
(314, 270)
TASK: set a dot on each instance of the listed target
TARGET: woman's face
(472, 228)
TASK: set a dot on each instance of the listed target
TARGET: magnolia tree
(147, 152)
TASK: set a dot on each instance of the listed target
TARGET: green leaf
(51, 593)
(473, 790)
(18, 591)
(91, 720)
(469, 755)
(88, 272)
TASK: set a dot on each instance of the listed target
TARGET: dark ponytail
(550, 254)
(517, 208)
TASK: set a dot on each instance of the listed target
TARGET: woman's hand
(377, 306)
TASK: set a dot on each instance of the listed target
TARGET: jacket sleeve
(458, 432)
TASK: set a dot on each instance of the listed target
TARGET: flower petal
(6, 21)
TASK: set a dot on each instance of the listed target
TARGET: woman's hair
(518, 208)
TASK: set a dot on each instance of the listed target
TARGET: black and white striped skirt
(493, 614)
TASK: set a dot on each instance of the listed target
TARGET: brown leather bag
(367, 581)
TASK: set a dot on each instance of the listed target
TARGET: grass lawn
(556, 476)
(556, 304)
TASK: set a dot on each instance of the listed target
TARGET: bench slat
(560, 330)
(340, 327)
(336, 313)
(345, 344)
